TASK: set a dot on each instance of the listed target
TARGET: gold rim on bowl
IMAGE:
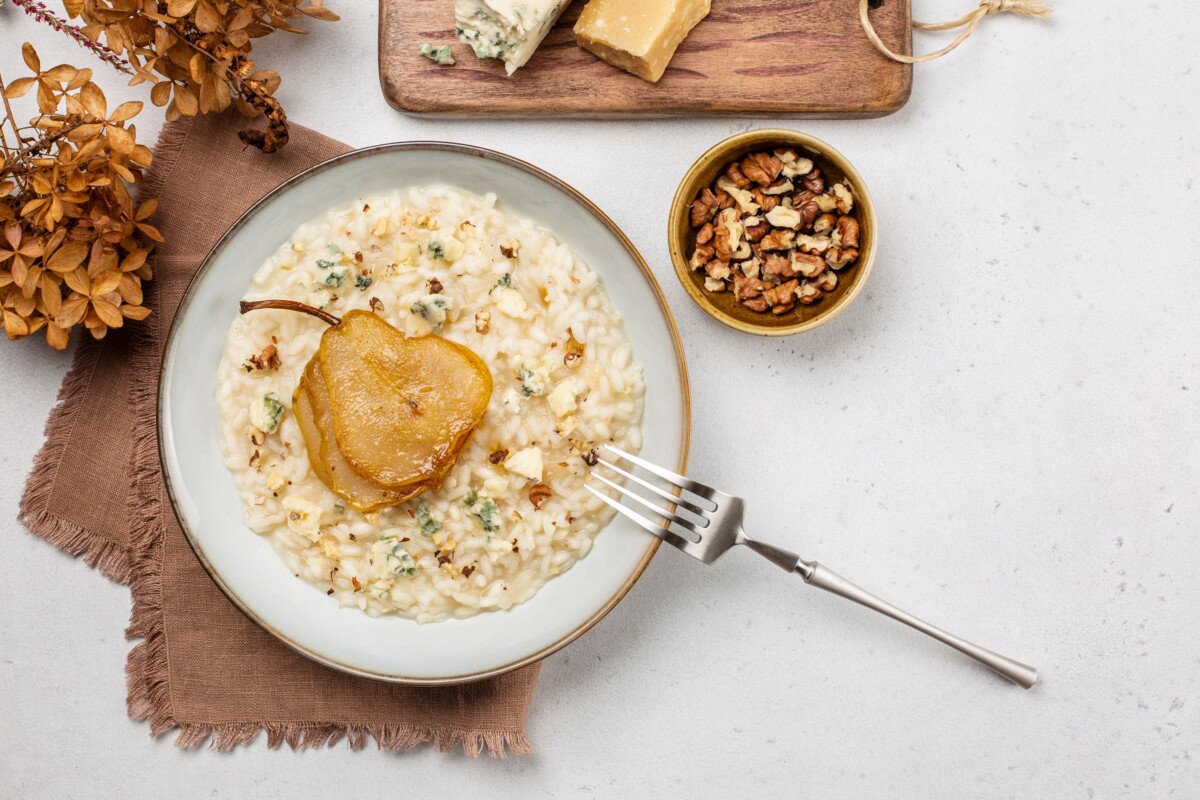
(722, 306)
(660, 298)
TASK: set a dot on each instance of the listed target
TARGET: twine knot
(1028, 8)
(968, 22)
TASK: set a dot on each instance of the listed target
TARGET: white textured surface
(1001, 434)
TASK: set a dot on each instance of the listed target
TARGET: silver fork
(715, 530)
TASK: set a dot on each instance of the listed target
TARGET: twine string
(968, 22)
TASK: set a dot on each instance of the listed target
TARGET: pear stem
(290, 305)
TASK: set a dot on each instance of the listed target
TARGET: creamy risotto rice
(437, 260)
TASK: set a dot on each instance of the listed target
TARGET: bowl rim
(719, 151)
(224, 240)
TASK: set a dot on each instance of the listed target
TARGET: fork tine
(662, 512)
(636, 518)
(663, 493)
(698, 489)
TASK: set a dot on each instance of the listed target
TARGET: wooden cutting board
(748, 57)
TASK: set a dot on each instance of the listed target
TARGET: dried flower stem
(11, 120)
(276, 135)
(39, 12)
(43, 144)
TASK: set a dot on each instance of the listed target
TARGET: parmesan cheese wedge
(639, 36)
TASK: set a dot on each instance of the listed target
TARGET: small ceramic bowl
(722, 306)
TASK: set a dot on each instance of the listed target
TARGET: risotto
(512, 512)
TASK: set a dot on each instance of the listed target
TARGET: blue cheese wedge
(509, 30)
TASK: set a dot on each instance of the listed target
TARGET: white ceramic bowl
(244, 564)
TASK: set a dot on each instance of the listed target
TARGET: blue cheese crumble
(266, 412)
(484, 509)
(438, 55)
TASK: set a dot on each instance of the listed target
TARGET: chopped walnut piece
(434, 286)
(847, 232)
(498, 456)
(783, 293)
(808, 266)
(718, 270)
(784, 217)
(376, 305)
(715, 285)
(741, 198)
(762, 168)
(744, 288)
(776, 266)
(827, 281)
(727, 233)
(268, 359)
(701, 256)
(808, 214)
(813, 245)
(734, 173)
(757, 230)
(591, 458)
(778, 240)
(793, 164)
(824, 223)
(765, 201)
(842, 197)
(781, 186)
(826, 203)
(814, 182)
(808, 294)
(509, 249)
(756, 304)
(539, 493)
(840, 257)
(483, 321)
(705, 234)
(703, 207)
(575, 350)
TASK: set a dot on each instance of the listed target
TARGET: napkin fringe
(97, 551)
(170, 141)
(147, 674)
(148, 690)
(389, 738)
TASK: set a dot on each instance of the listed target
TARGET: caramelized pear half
(314, 415)
(403, 408)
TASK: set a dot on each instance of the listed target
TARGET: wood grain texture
(748, 57)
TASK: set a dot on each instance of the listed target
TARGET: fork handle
(814, 574)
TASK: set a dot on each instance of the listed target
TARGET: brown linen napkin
(202, 666)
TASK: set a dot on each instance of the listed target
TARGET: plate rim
(189, 295)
